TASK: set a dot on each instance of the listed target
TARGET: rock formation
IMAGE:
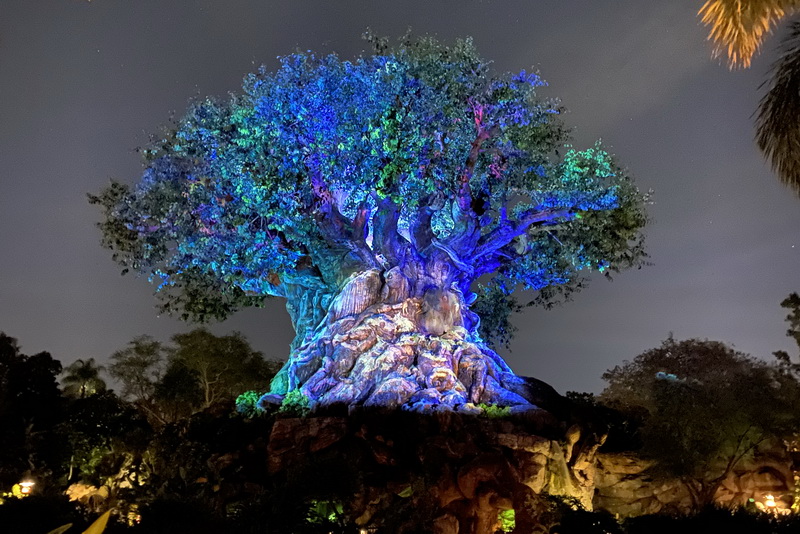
(626, 487)
(454, 472)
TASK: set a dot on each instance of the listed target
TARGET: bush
(247, 404)
(295, 404)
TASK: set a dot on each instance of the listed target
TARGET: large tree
(376, 196)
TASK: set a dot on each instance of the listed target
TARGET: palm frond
(778, 115)
(738, 27)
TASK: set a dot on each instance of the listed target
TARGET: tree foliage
(138, 367)
(707, 408)
(326, 167)
(778, 114)
(223, 366)
(170, 382)
(106, 435)
(82, 378)
(738, 27)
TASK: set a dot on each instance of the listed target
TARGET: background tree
(138, 368)
(31, 407)
(177, 395)
(223, 366)
(169, 382)
(707, 406)
(374, 196)
(107, 437)
(82, 378)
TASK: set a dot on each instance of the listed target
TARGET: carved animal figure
(397, 287)
(359, 293)
(441, 311)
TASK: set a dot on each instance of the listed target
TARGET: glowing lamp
(26, 486)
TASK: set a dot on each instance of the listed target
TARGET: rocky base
(446, 473)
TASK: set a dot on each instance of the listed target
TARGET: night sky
(83, 84)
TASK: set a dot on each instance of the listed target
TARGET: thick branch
(337, 230)
(421, 230)
(464, 194)
(466, 233)
(385, 239)
(504, 234)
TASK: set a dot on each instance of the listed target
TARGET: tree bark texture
(402, 337)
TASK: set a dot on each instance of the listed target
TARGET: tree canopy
(738, 29)
(82, 378)
(173, 381)
(327, 167)
(29, 413)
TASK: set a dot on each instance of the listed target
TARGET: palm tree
(738, 28)
(778, 115)
(82, 378)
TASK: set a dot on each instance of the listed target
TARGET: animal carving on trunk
(441, 312)
(359, 293)
(397, 287)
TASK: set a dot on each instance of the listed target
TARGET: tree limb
(504, 234)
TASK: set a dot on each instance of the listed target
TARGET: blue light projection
(373, 195)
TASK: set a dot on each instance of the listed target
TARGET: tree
(138, 368)
(31, 406)
(222, 366)
(738, 29)
(107, 437)
(376, 196)
(707, 408)
(82, 378)
(172, 382)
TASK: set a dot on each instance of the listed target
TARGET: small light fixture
(26, 486)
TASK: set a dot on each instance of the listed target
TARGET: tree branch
(385, 238)
(335, 228)
(504, 234)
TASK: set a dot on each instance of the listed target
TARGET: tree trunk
(403, 337)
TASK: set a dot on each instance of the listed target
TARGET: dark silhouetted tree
(138, 368)
(31, 407)
(707, 408)
(82, 378)
(222, 366)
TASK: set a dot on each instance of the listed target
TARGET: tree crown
(326, 167)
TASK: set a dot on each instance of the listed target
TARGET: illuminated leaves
(268, 183)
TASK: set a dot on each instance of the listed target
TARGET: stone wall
(625, 487)
(455, 472)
